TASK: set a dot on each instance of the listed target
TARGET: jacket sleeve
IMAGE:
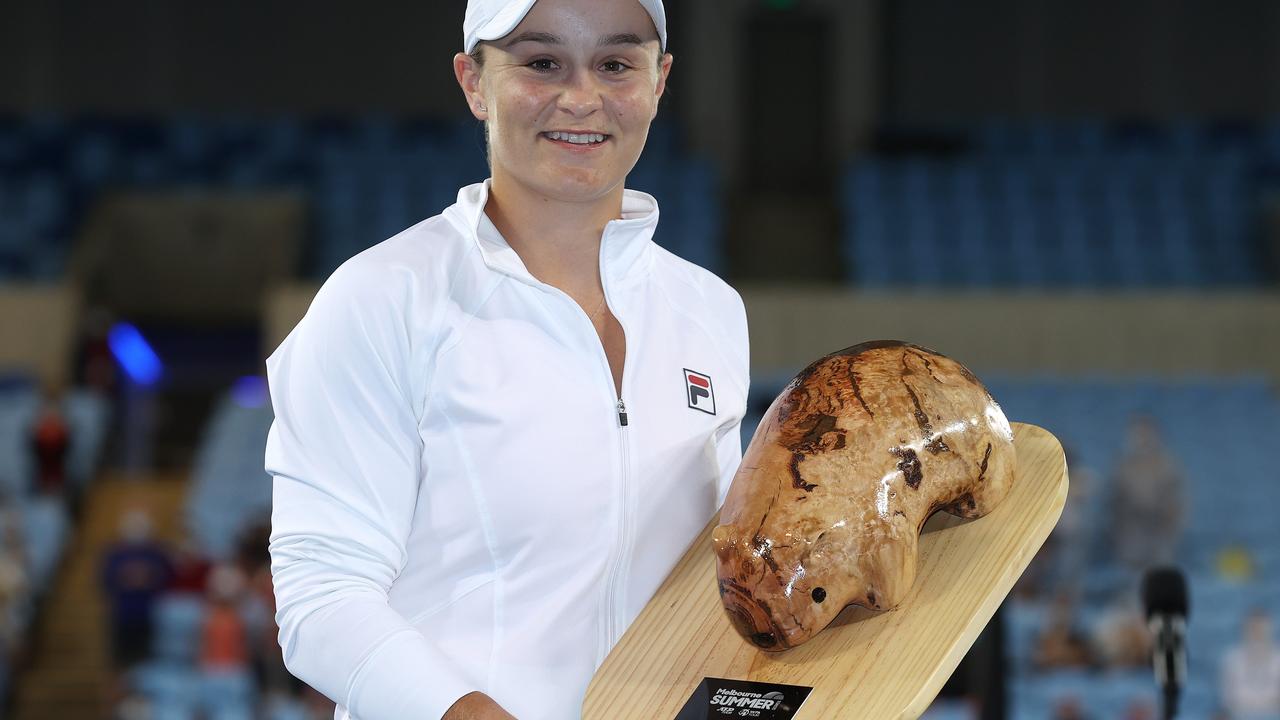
(729, 435)
(344, 453)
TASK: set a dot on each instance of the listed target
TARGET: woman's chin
(572, 184)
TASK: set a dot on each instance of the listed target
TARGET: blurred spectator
(1060, 564)
(1250, 672)
(1061, 644)
(1070, 537)
(268, 659)
(223, 646)
(190, 569)
(50, 439)
(1121, 638)
(134, 707)
(1140, 710)
(1068, 708)
(97, 367)
(1148, 504)
(135, 571)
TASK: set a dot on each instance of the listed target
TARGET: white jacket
(457, 504)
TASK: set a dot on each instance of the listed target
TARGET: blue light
(134, 354)
(250, 391)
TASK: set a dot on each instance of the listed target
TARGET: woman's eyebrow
(620, 39)
(534, 36)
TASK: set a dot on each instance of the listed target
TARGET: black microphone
(1164, 595)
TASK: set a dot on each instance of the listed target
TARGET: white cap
(492, 19)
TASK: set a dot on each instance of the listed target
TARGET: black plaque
(719, 698)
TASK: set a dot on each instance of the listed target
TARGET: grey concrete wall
(203, 258)
(1115, 334)
(713, 75)
(38, 330)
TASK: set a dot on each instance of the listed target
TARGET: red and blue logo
(698, 389)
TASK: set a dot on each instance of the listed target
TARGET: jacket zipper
(614, 569)
(623, 546)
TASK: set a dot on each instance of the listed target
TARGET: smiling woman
(497, 432)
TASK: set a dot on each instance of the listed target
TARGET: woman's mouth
(577, 141)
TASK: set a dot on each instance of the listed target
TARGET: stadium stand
(365, 178)
(35, 527)
(1056, 204)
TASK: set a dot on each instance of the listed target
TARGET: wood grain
(865, 664)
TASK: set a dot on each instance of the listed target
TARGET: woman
(497, 431)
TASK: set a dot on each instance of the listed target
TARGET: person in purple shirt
(136, 570)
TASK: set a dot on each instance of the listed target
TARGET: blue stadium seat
(288, 709)
(47, 527)
(230, 488)
(687, 192)
(950, 710)
(18, 408)
(172, 688)
(227, 695)
(1073, 204)
(178, 620)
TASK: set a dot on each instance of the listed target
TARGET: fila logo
(699, 391)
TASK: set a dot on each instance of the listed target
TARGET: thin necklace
(595, 312)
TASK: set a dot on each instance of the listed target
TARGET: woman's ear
(664, 69)
(467, 71)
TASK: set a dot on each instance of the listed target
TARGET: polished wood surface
(865, 664)
(844, 469)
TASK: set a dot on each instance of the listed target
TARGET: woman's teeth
(587, 139)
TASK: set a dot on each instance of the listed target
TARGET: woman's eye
(614, 66)
(542, 65)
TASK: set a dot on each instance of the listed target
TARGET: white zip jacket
(461, 500)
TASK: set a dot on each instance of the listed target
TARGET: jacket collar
(624, 249)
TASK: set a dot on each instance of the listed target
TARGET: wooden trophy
(682, 657)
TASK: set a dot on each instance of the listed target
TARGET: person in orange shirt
(223, 646)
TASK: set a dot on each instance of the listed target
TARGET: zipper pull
(622, 413)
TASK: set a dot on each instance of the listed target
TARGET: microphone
(1164, 596)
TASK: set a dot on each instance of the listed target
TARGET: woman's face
(581, 67)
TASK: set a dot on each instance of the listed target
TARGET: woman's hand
(477, 706)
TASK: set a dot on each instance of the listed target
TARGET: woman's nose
(581, 94)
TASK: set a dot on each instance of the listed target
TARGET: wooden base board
(865, 664)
